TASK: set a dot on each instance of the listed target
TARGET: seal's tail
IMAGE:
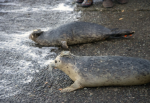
(121, 33)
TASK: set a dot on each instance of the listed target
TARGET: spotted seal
(93, 71)
(76, 33)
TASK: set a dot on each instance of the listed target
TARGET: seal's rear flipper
(64, 44)
(121, 33)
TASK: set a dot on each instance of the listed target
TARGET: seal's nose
(52, 64)
(55, 61)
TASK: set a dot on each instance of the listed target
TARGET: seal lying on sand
(92, 71)
(75, 33)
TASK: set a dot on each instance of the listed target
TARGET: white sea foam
(63, 7)
(59, 7)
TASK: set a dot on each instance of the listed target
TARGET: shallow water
(20, 57)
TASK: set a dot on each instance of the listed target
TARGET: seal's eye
(55, 61)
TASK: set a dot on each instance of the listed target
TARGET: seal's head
(60, 60)
(35, 34)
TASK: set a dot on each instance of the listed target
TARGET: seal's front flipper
(64, 44)
(74, 86)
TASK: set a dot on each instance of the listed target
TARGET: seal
(93, 71)
(76, 33)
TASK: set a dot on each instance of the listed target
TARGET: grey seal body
(75, 33)
(93, 71)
